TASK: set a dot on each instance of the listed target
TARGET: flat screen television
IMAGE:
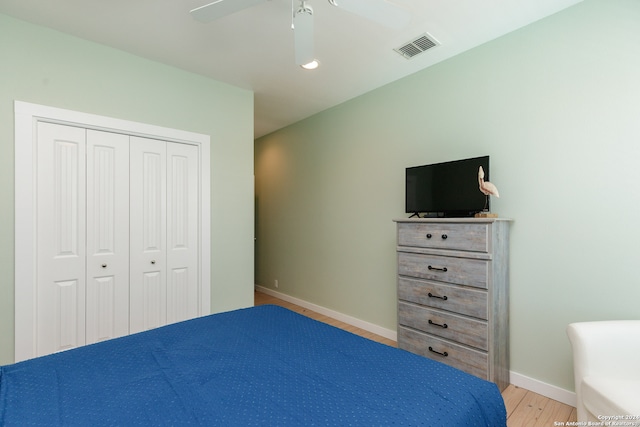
(447, 189)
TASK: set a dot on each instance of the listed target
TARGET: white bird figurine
(486, 187)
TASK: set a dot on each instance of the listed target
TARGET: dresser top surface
(452, 220)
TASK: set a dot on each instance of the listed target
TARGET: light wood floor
(524, 407)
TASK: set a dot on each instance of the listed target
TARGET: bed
(264, 365)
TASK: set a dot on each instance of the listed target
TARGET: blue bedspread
(258, 366)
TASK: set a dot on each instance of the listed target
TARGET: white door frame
(27, 116)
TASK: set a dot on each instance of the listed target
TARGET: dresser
(453, 293)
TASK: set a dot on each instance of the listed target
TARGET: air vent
(417, 46)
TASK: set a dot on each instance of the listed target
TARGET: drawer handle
(443, 269)
(445, 354)
(444, 298)
(444, 236)
(443, 326)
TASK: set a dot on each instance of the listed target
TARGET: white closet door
(60, 288)
(76, 222)
(182, 232)
(148, 295)
(107, 309)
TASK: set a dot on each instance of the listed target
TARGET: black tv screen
(447, 189)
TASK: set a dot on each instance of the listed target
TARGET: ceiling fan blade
(380, 11)
(219, 8)
(303, 36)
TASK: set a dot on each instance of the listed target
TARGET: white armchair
(606, 363)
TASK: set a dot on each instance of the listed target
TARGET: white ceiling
(253, 49)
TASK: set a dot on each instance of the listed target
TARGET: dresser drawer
(470, 302)
(472, 361)
(461, 271)
(446, 325)
(463, 237)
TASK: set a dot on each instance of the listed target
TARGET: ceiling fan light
(311, 65)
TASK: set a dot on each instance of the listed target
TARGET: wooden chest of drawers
(453, 293)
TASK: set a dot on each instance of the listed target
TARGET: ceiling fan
(380, 11)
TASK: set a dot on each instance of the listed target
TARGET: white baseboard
(353, 321)
(536, 386)
(551, 391)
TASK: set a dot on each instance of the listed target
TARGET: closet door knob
(153, 261)
(104, 265)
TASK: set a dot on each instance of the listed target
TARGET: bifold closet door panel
(182, 232)
(107, 296)
(148, 225)
(60, 238)
(115, 237)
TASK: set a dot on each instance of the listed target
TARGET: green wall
(557, 107)
(41, 66)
